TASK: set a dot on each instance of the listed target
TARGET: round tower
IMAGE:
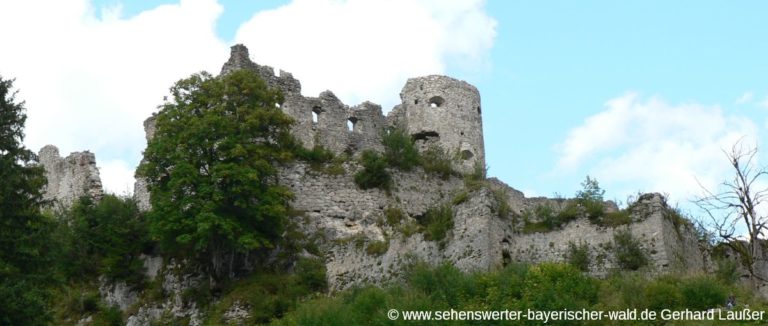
(439, 110)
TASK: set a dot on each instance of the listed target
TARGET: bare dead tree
(736, 203)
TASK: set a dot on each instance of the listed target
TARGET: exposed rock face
(71, 177)
(350, 219)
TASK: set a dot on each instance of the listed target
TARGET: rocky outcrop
(71, 177)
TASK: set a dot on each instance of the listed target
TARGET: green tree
(26, 252)
(399, 149)
(590, 191)
(211, 168)
(104, 238)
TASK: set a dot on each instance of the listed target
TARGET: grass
(544, 287)
(377, 248)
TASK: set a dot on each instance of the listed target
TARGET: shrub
(702, 292)
(727, 270)
(377, 248)
(311, 274)
(475, 180)
(578, 256)
(627, 251)
(436, 222)
(503, 209)
(616, 218)
(374, 173)
(557, 287)
(394, 215)
(399, 150)
(435, 160)
(316, 157)
(662, 294)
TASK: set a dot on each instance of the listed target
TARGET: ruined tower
(442, 111)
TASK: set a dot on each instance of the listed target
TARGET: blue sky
(642, 95)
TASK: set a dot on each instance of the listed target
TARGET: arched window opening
(316, 114)
(436, 101)
(351, 124)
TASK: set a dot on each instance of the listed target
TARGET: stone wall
(669, 247)
(71, 177)
(435, 110)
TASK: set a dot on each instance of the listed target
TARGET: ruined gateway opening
(351, 124)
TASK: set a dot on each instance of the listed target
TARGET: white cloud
(116, 176)
(745, 98)
(366, 49)
(655, 145)
(90, 82)
(764, 103)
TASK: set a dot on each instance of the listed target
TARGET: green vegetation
(377, 248)
(27, 251)
(629, 255)
(104, 238)
(268, 296)
(215, 150)
(549, 287)
(400, 153)
(316, 157)
(436, 161)
(588, 202)
(578, 255)
(374, 173)
(399, 150)
(436, 222)
(394, 215)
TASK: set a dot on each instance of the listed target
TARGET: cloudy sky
(642, 95)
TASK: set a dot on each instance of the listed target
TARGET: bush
(435, 160)
(377, 248)
(627, 251)
(727, 270)
(436, 222)
(503, 209)
(578, 256)
(394, 215)
(374, 173)
(316, 157)
(311, 274)
(399, 150)
(702, 293)
(557, 287)
(617, 218)
(662, 294)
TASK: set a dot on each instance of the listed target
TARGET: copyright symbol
(393, 314)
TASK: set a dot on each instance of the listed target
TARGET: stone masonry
(71, 177)
(435, 110)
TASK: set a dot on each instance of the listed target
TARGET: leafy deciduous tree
(211, 168)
